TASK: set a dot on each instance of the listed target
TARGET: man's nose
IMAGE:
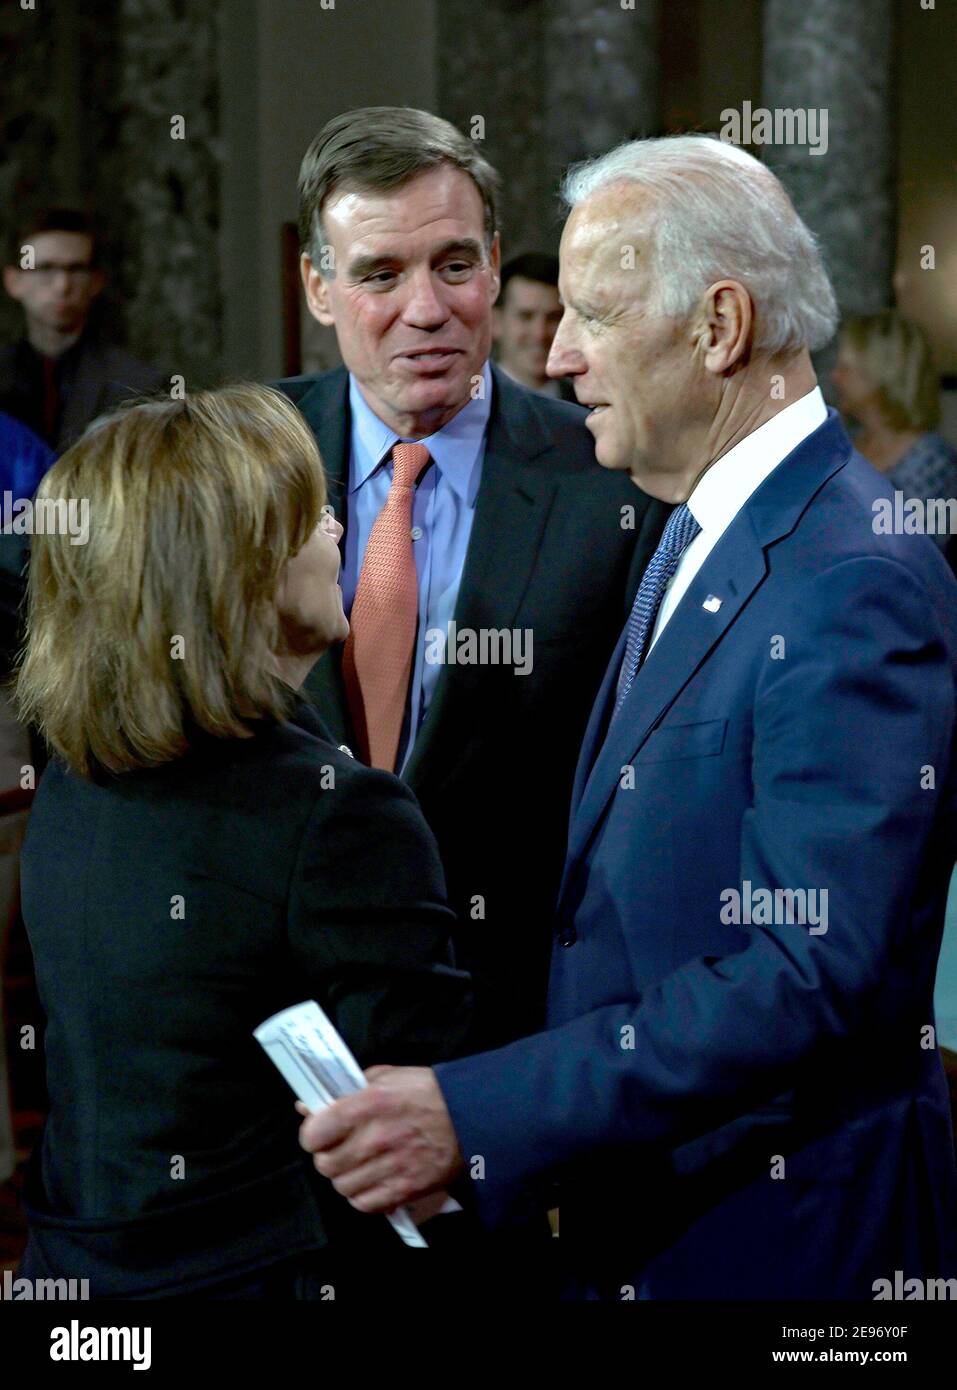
(564, 358)
(424, 307)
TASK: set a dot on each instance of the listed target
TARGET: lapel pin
(711, 604)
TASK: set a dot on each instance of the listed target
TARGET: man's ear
(725, 326)
(317, 291)
(11, 281)
(495, 263)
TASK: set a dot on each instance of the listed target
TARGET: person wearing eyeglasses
(62, 374)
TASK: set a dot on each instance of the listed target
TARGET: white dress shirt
(728, 484)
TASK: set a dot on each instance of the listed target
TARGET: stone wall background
(491, 65)
(28, 124)
(88, 93)
(839, 56)
(553, 81)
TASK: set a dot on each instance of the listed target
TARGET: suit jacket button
(567, 936)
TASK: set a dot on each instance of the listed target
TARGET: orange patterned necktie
(377, 660)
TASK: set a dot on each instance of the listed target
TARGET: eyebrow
(583, 306)
(369, 264)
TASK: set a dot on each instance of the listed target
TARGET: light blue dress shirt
(442, 513)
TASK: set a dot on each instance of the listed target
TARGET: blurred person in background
(24, 458)
(61, 374)
(201, 855)
(527, 314)
(885, 380)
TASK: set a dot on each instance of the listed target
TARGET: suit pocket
(673, 741)
(742, 1146)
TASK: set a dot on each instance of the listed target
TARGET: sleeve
(368, 924)
(32, 462)
(845, 729)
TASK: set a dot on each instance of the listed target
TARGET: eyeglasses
(78, 270)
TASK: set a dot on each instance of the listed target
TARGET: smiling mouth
(425, 353)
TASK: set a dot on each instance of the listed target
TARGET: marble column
(165, 173)
(601, 77)
(28, 126)
(490, 85)
(88, 106)
(838, 56)
(554, 81)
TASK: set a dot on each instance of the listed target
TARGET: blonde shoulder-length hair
(166, 619)
(897, 357)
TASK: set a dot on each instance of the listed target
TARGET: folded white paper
(303, 1044)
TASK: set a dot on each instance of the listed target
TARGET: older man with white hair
(738, 1094)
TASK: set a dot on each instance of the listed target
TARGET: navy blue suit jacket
(752, 1109)
(494, 761)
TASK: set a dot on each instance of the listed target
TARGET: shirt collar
(729, 482)
(454, 448)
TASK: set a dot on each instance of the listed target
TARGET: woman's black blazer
(170, 912)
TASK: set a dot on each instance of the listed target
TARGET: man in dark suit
(739, 1094)
(527, 313)
(61, 374)
(518, 555)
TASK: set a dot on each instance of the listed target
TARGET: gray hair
(721, 214)
(375, 149)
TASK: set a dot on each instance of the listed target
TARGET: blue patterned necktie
(675, 539)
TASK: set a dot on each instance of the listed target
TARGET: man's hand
(388, 1144)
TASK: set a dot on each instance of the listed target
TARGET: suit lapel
(511, 512)
(325, 406)
(690, 635)
(597, 722)
(732, 573)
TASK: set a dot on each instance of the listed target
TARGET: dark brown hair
(53, 219)
(533, 265)
(377, 148)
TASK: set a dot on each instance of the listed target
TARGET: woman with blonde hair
(885, 379)
(200, 855)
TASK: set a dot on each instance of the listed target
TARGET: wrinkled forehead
(436, 202)
(606, 238)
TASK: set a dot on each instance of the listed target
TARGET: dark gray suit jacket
(105, 375)
(303, 875)
(494, 760)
